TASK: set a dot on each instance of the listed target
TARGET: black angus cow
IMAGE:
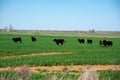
(18, 39)
(33, 39)
(105, 43)
(59, 41)
(89, 41)
(81, 40)
(109, 43)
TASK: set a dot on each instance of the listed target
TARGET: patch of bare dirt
(71, 68)
(35, 54)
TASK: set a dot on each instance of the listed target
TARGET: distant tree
(92, 31)
(11, 28)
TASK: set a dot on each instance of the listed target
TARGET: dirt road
(71, 68)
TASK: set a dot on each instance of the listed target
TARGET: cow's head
(54, 39)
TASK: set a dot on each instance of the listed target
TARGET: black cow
(33, 39)
(105, 43)
(109, 43)
(59, 41)
(81, 40)
(89, 41)
(17, 39)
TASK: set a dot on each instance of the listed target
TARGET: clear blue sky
(61, 14)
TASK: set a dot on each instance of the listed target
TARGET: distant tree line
(8, 28)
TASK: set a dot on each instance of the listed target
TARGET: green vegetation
(64, 59)
(46, 44)
(6, 75)
(103, 75)
(80, 53)
(109, 75)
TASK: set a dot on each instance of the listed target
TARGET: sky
(60, 14)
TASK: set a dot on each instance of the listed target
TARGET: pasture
(79, 53)
(70, 53)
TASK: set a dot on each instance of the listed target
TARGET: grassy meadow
(80, 54)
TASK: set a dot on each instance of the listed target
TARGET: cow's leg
(57, 43)
(20, 41)
(105, 45)
(110, 45)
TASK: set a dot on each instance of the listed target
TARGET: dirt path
(35, 54)
(71, 68)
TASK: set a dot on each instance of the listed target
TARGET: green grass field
(80, 53)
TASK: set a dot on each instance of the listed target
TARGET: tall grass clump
(23, 73)
(89, 75)
(109, 75)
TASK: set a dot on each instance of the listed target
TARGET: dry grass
(24, 73)
(89, 75)
(35, 54)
